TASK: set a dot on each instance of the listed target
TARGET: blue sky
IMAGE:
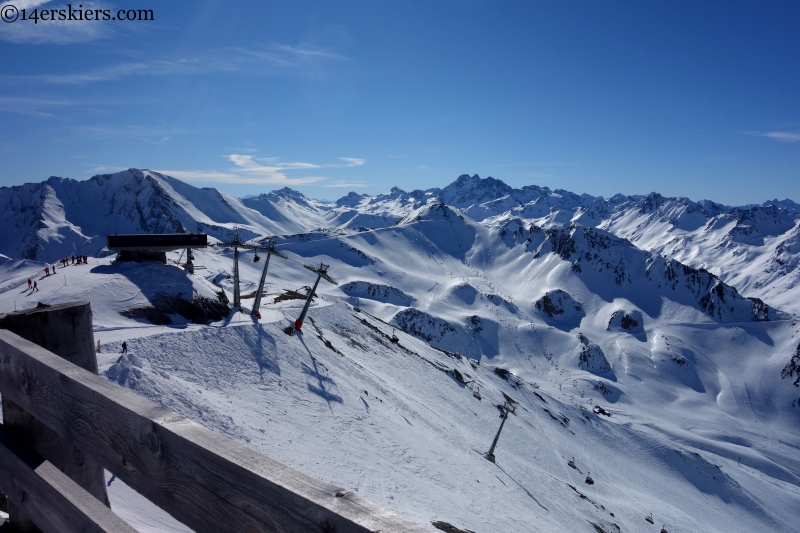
(696, 99)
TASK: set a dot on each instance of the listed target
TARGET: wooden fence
(63, 424)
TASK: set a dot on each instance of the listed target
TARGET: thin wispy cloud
(426, 167)
(153, 134)
(352, 161)
(102, 168)
(183, 67)
(289, 56)
(54, 31)
(784, 136)
(270, 60)
(251, 170)
(31, 106)
(349, 184)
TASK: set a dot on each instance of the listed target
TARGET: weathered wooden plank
(203, 479)
(66, 330)
(47, 496)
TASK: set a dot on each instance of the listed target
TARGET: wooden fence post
(65, 330)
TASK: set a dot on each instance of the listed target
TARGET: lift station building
(154, 247)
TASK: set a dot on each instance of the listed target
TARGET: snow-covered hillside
(697, 382)
(754, 248)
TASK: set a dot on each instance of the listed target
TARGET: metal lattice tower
(505, 409)
(270, 251)
(322, 273)
(237, 302)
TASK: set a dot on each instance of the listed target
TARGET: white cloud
(30, 106)
(238, 179)
(268, 165)
(152, 134)
(352, 161)
(352, 184)
(785, 136)
(275, 60)
(251, 170)
(54, 31)
(289, 56)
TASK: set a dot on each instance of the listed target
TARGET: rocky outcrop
(380, 293)
(424, 326)
(630, 321)
(591, 358)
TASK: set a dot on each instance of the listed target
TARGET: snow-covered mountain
(658, 312)
(755, 249)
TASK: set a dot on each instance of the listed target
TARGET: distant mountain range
(754, 248)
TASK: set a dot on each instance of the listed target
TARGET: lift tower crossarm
(321, 271)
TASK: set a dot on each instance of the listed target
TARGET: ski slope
(703, 431)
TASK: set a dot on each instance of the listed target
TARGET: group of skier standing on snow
(51, 269)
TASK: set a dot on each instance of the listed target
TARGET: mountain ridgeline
(754, 248)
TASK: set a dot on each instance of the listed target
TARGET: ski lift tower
(322, 273)
(505, 409)
(237, 300)
(270, 251)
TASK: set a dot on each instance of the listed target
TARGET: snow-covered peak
(468, 190)
(352, 199)
(432, 212)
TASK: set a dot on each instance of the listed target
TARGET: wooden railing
(65, 424)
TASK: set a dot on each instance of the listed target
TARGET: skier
(124, 347)
(35, 287)
(47, 271)
(73, 259)
(30, 284)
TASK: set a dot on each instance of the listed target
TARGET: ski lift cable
(373, 230)
(563, 453)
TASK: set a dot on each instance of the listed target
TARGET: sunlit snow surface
(703, 431)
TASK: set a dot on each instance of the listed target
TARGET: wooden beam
(47, 496)
(66, 330)
(203, 479)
